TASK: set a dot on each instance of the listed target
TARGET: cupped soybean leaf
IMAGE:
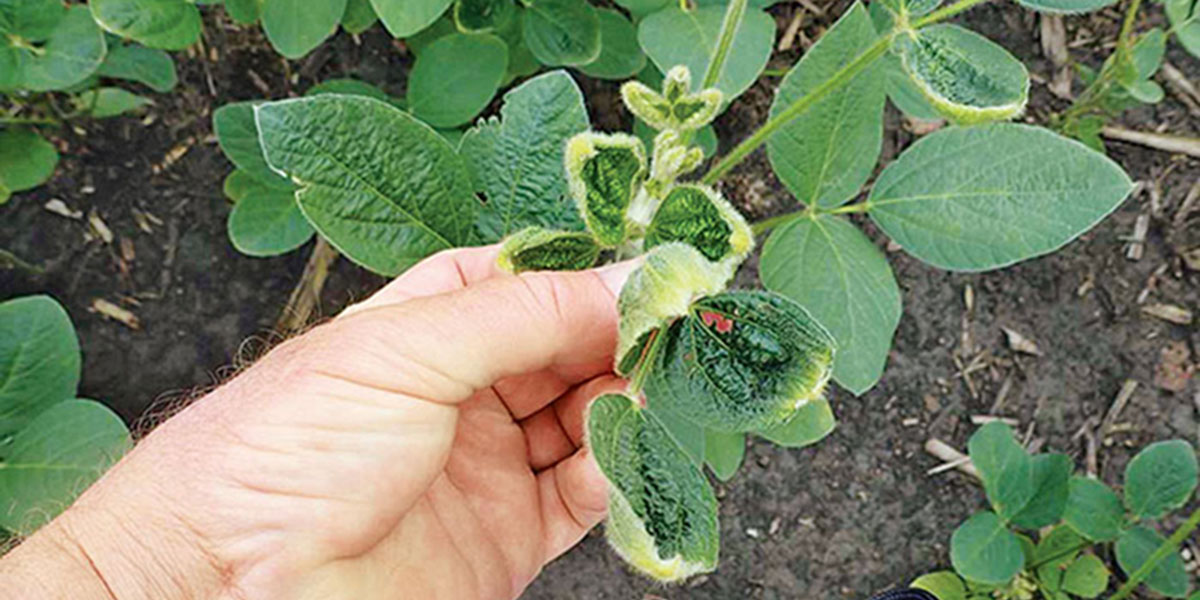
(407, 17)
(1184, 16)
(165, 24)
(350, 87)
(1051, 482)
(854, 294)
(244, 12)
(456, 77)
(944, 585)
(1093, 510)
(265, 221)
(1069, 7)
(1169, 578)
(32, 20)
(1160, 479)
(296, 27)
(741, 361)
(620, 55)
(39, 360)
(965, 76)
(810, 424)
(662, 513)
(148, 66)
(604, 175)
(359, 16)
(237, 134)
(1087, 577)
(724, 453)
(826, 155)
(105, 102)
(72, 53)
(517, 159)
(1005, 468)
(690, 437)
(474, 16)
(674, 36)
(983, 550)
(26, 160)
(700, 217)
(54, 459)
(979, 198)
(380, 186)
(562, 32)
(537, 249)
(901, 89)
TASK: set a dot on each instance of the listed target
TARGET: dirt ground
(851, 516)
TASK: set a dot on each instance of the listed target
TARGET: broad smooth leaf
(853, 293)
(153, 68)
(54, 458)
(1005, 468)
(965, 76)
(537, 249)
(481, 16)
(517, 159)
(359, 16)
(983, 550)
(810, 424)
(604, 175)
(1069, 7)
(237, 133)
(407, 17)
(106, 102)
(244, 12)
(700, 217)
(1169, 578)
(380, 186)
(1184, 16)
(741, 361)
(1051, 481)
(456, 77)
(980, 198)
(39, 360)
(1160, 479)
(944, 585)
(72, 53)
(562, 32)
(265, 221)
(620, 55)
(26, 160)
(1087, 577)
(825, 155)
(662, 512)
(296, 27)
(165, 24)
(31, 20)
(724, 453)
(1093, 510)
(673, 37)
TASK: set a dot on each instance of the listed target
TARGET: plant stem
(729, 28)
(638, 381)
(1086, 101)
(766, 225)
(1127, 27)
(938, 16)
(1160, 554)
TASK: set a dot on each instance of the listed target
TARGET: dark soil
(851, 516)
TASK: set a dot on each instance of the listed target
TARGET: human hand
(427, 443)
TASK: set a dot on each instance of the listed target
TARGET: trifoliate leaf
(700, 216)
(676, 108)
(604, 174)
(537, 249)
(1093, 510)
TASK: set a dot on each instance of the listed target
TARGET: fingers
(443, 272)
(555, 432)
(574, 498)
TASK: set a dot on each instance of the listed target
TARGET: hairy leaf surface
(967, 77)
(605, 173)
(700, 217)
(537, 249)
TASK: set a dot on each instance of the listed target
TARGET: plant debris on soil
(130, 237)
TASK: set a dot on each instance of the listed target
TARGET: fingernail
(614, 276)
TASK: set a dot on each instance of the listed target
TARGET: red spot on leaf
(723, 324)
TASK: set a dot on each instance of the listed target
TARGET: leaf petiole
(1161, 553)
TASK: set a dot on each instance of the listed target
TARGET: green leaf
(1055, 552)
(517, 159)
(1148, 53)
(979, 198)
(26, 159)
(562, 32)
(810, 424)
(265, 221)
(641, 8)
(106, 102)
(604, 175)
(944, 585)
(1069, 7)
(1051, 481)
(700, 217)
(1086, 577)
(32, 20)
(39, 360)
(675, 109)
(244, 12)
(537, 249)
(455, 78)
(153, 68)
(1184, 16)
(620, 55)
(439, 29)
(673, 37)
(380, 186)
(1160, 479)
(1093, 510)
(349, 87)
(901, 89)
(854, 294)
(1134, 548)
(662, 512)
(724, 453)
(54, 459)
(965, 76)
(237, 133)
(165, 24)
(482, 16)
(741, 361)
(359, 16)
(689, 436)
(1005, 468)
(826, 155)
(521, 61)
(296, 27)
(74, 50)
(407, 17)
(983, 550)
